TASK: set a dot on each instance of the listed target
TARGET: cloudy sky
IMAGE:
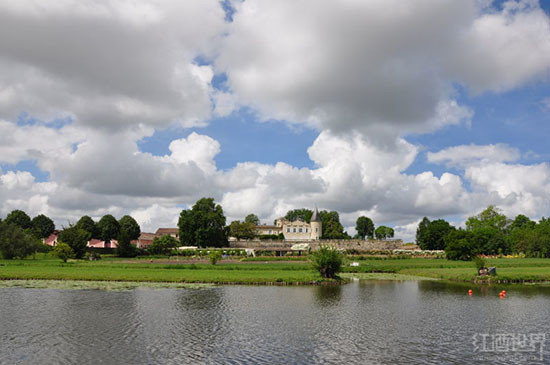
(391, 109)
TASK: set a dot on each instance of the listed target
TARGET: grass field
(266, 270)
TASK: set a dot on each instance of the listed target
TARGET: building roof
(146, 236)
(315, 217)
(167, 231)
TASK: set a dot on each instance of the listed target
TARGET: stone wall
(360, 245)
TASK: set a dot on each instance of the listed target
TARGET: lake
(368, 322)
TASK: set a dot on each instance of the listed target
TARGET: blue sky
(385, 109)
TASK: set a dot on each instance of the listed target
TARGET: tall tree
(15, 242)
(19, 218)
(130, 226)
(331, 226)
(76, 238)
(42, 226)
(244, 230)
(108, 228)
(203, 225)
(252, 218)
(364, 227)
(421, 231)
(434, 234)
(86, 223)
(490, 217)
(383, 232)
(295, 214)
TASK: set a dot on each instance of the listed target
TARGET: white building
(298, 230)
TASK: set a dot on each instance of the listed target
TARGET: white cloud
(108, 64)
(460, 156)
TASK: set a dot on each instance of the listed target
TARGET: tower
(316, 225)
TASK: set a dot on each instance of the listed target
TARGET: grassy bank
(139, 271)
(266, 271)
(508, 269)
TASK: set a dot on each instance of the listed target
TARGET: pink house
(52, 241)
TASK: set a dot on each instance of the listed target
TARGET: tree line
(487, 233)
(21, 236)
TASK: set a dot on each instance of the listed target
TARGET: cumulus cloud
(384, 68)
(460, 156)
(108, 64)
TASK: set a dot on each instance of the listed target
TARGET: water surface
(365, 322)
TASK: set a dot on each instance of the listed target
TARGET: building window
(288, 230)
(294, 229)
(300, 230)
(316, 229)
(306, 230)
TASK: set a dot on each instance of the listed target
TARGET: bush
(328, 261)
(480, 263)
(16, 243)
(163, 245)
(215, 256)
(63, 251)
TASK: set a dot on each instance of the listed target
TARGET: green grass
(508, 269)
(265, 271)
(53, 269)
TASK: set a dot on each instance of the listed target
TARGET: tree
(63, 251)
(86, 223)
(364, 227)
(130, 226)
(459, 245)
(76, 238)
(522, 222)
(433, 235)
(383, 232)
(252, 218)
(421, 231)
(331, 226)
(108, 228)
(124, 247)
(163, 245)
(19, 218)
(490, 217)
(295, 214)
(15, 242)
(328, 261)
(203, 225)
(244, 230)
(42, 226)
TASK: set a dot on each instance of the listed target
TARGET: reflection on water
(364, 322)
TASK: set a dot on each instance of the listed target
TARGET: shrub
(328, 261)
(480, 263)
(63, 251)
(215, 256)
(163, 245)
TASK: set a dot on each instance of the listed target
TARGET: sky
(389, 109)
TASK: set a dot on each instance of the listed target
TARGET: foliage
(522, 222)
(480, 262)
(163, 245)
(253, 219)
(432, 236)
(130, 227)
(86, 223)
(124, 247)
(76, 238)
(422, 231)
(15, 242)
(490, 217)
(42, 226)
(203, 225)
(19, 218)
(215, 256)
(63, 251)
(460, 246)
(108, 228)
(244, 230)
(364, 227)
(295, 214)
(383, 232)
(269, 237)
(331, 226)
(328, 261)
